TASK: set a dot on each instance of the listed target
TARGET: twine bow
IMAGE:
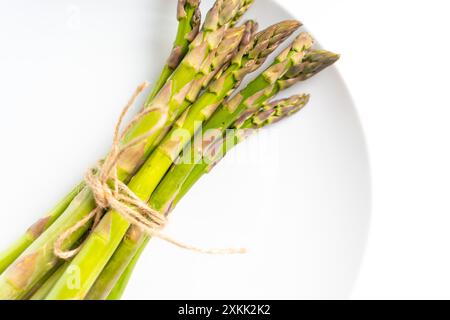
(111, 193)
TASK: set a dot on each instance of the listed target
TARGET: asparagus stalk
(15, 250)
(189, 16)
(120, 286)
(240, 11)
(208, 52)
(270, 113)
(111, 273)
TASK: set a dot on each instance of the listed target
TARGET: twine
(111, 193)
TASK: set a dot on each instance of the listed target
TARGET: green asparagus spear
(243, 8)
(120, 286)
(111, 273)
(189, 18)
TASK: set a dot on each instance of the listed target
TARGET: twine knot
(103, 190)
(111, 193)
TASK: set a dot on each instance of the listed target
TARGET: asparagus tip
(182, 6)
(250, 29)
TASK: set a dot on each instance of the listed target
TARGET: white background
(395, 59)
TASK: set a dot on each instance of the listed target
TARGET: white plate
(297, 196)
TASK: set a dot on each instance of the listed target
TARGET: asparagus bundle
(189, 16)
(210, 50)
(191, 96)
(96, 251)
